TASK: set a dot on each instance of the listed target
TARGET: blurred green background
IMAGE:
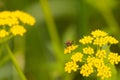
(40, 51)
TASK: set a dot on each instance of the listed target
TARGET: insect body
(69, 43)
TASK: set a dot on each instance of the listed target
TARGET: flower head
(98, 33)
(96, 57)
(77, 57)
(71, 66)
(3, 33)
(70, 48)
(12, 22)
(86, 40)
(113, 58)
(24, 17)
(14, 17)
(88, 50)
(86, 70)
(100, 41)
(101, 54)
(104, 72)
(18, 30)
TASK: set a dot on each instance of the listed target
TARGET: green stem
(52, 29)
(21, 74)
(83, 16)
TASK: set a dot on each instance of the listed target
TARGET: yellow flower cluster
(71, 66)
(114, 58)
(101, 54)
(86, 70)
(70, 48)
(3, 33)
(86, 40)
(77, 57)
(18, 30)
(95, 58)
(98, 33)
(104, 72)
(98, 38)
(11, 18)
(88, 50)
(11, 23)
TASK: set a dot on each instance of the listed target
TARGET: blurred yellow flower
(13, 21)
(11, 18)
(24, 17)
(3, 33)
(18, 30)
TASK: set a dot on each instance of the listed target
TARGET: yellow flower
(24, 17)
(118, 58)
(98, 33)
(98, 62)
(5, 14)
(95, 61)
(18, 30)
(104, 72)
(113, 58)
(11, 18)
(86, 70)
(3, 33)
(8, 21)
(6, 18)
(101, 54)
(77, 57)
(100, 41)
(86, 40)
(71, 66)
(90, 60)
(111, 40)
(88, 50)
(70, 48)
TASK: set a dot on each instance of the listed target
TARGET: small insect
(69, 43)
